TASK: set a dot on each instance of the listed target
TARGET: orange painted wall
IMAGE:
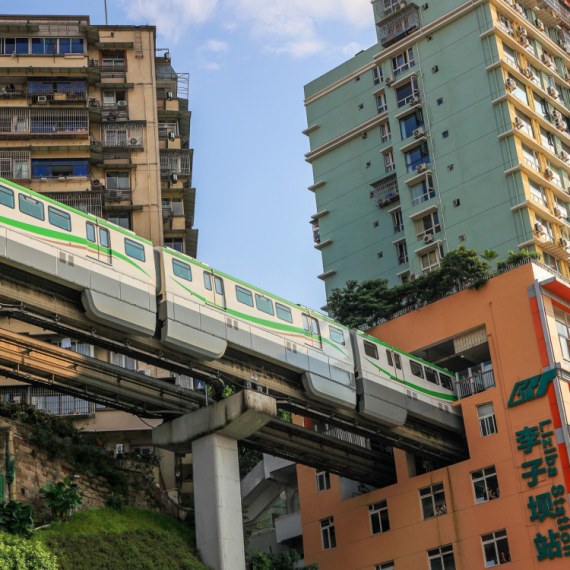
(518, 351)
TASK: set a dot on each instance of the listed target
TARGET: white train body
(127, 284)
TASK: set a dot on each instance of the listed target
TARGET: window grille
(47, 400)
(127, 135)
(400, 24)
(385, 191)
(44, 121)
(15, 164)
(164, 129)
(175, 162)
(88, 202)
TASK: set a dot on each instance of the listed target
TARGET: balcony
(48, 401)
(128, 135)
(88, 202)
(11, 92)
(178, 162)
(386, 191)
(385, 8)
(475, 384)
(316, 233)
(288, 527)
(15, 164)
(117, 195)
(63, 97)
(398, 23)
(166, 130)
(115, 111)
(23, 123)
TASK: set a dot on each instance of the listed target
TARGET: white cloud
(216, 46)
(351, 49)
(210, 66)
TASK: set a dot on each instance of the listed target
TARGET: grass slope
(131, 539)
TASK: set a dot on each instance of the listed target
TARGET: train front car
(112, 267)
(393, 385)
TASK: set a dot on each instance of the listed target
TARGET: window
(385, 566)
(59, 218)
(485, 484)
(432, 499)
(551, 261)
(381, 102)
(134, 249)
(416, 369)
(385, 132)
(122, 219)
(496, 548)
(394, 359)
(422, 192)
(520, 90)
(123, 361)
(397, 221)
(537, 192)
(377, 75)
(283, 312)
(264, 304)
(111, 98)
(440, 101)
(173, 205)
(547, 139)
(379, 521)
(410, 123)
(431, 375)
(402, 252)
(90, 228)
(430, 260)
(506, 24)
(208, 283)
(445, 134)
(441, 558)
(6, 197)
(487, 423)
(389, 161)
(530, 157)
(244, 296)
(327, 533)
(416, 156)
(175, 243)
(336, 335)
(51, 168)
(548, 232)
(371, 350)
(524, 123)
(118, 180)
(403, 61)
(541, 106)
(181, 269)
(555, 177)
(323, 481)
(428, 225)
(219, 285)
(31, 207)
(407, 92)
(510, 55)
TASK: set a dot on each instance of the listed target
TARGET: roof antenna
(106, 21)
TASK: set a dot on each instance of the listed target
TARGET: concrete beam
(236, 417)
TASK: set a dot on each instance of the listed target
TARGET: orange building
(509, 343)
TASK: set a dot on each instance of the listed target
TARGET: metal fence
(347, 436)
(44, 121)
(164, 129)
(404, 22)
(385, 191)
(15, 164)
(47, 400)
(127, 135)
(175, 162)
(89, 202)
(475, 384)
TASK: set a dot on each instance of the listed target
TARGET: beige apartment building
(97, 118)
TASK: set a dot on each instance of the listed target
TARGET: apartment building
(454, 129)
(97, 118)
(507, 503)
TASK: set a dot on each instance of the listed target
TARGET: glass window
(397, 221)
(118, 180)
(323, 481)
(38, 46)
(181, 269)
(510, 56)
(537, 192)
(524, 123)
(104, 238)
(385, 566)
(410, 123)
(175, 243)
(264, 304)
(430, 260)
(417, 369)
(381, 101)
(416, 156)
(65, 45)
(134, 249)
(496, 548)
(371, 350)
(91, 232)
(306, 325)
(487, 422)
(328, 534)
(6, 197)
(403, 61)
(485, 484)
(385, 132)
(77, 45)
(405, 93)
(402, 252)
(389, 163)
(441, 558)
(31, 207)
(377, 75)
(431, 375)
(219, 285)
(283, 312)
(9, 46)
(121, 219)
(422, 192)
(59, 218)
(519, 90)
(22, 45)
(432, 499)
(244, 296)
(379, 521)
(208, 281)
(336, 335)
(446, 381)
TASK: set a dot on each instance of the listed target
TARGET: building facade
(507, 503)
(97, 118)
(454, 129)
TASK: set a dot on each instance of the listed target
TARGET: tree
(285, 561)
(489, 255)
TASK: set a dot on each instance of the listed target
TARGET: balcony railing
(48, 401)
(164, 130)
(316, 233)
(15, 164)
(175, 162)
(347, 436)
(114, 111)
(399, 24)
(7, 92)
(127, 135)
(385, 8)
(88, 202)
(57, 97)
(386, 191)
(117, 195)
(475, 384)
(43, 122)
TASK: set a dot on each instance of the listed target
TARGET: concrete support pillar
(217, 500)
(211, 434)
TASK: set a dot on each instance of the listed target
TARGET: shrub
(516, 257)
(19, 554)
(61, 498)
(17, 518)
(115, 501)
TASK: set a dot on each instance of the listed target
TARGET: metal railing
(401, 24)
(57, 97)
(117, 195)
(316, 233)
(47, 401)
(475, 384)
(7, 92)
(385, 8)
(164, 129)
(15, 164)
(88, 202)
(128, 135)
(386, 191)
(347, 436)
(175, 162)
(115, 111)
(44, 121)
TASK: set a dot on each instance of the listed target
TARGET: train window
(219, 284)
(372, 351)
(104, 238)
(446, 381)
(134, 249)
(417, 369)
(336, 335)
(389, 357)
(6, 197)
(91, 232)
(431, 376)
(31, 207)
(397, 361)
(181, 269)
(283, 312)
(208, 281)
(315, 326)
(59, 219)
(244, 296)
(306, 323)
(264, 304)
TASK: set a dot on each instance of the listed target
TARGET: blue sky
(248, 62)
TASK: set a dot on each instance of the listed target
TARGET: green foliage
(17, 518)
(286, 561)
(21, 554)
(61, 498)
(516, 257)
(248, 459)
(489, 255)
(115, 501)
(100, 539)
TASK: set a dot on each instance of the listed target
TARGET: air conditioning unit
(134, 142)
(414, 101)
(548, 174)
(523, 40)
(552, 92)
(42, 99)
(521, 31)
(564, 156)
(121, 103)
(421, 167)
(556, 114)
(96, 183)
(560, 124)
(509, 2)
(389, 80)
(546, 59)
(518, 123)
(143, 371)
(519, 8)
(563, 242)
(172, 136)
(539, 25)
(174, 178)
(526, 71)
(558, 212)
(428, 238)
(414, 276)
(419, 133)
(170, 95)
(510, 84)
(167, 56)
(538, 228)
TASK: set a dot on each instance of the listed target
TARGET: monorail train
(128, 284)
